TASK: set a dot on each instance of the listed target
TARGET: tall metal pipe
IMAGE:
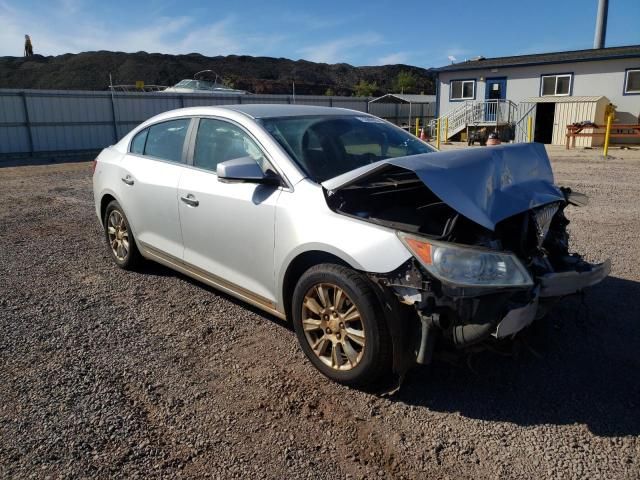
(601, 24)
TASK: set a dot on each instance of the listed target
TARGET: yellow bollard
(606, 135)
(417, 126)
(530, 129)
(438, 134)
(446, 129)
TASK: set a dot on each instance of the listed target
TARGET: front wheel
(340, 327)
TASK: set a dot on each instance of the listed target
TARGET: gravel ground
(149, 374)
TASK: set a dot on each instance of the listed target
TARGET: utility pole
(601, 24)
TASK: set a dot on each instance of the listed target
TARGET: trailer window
(462, 89)
(632, 81)
(556, 85)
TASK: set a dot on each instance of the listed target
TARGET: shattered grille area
(542, 218)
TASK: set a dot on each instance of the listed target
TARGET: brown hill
(90, 71)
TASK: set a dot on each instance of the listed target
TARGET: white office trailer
(553, 89)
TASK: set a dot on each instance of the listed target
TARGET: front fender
(305, 223)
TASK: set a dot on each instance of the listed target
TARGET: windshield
(325, 146)
(196, 84)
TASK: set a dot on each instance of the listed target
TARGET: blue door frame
(495, 89)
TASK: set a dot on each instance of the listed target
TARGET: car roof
(277, 110)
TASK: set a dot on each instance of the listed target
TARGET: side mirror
(244, 169)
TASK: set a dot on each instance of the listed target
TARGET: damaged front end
(488, 236)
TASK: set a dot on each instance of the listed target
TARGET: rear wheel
(340, 327)
(119, 237)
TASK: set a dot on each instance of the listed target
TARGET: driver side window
(218, 141)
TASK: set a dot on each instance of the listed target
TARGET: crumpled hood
(485, 185)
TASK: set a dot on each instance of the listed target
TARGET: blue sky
(366, 32)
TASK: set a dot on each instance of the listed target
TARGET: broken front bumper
(567, 283)
(467, 316)
(551, 285)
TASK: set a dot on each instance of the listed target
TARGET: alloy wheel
(118, 235)
(333, 326)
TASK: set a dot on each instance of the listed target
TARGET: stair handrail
(472, 112)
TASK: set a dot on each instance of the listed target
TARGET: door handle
(128, 180)
(190, 200)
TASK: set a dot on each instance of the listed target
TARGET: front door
(495, 89)
(228, 228)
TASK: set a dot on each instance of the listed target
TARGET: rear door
(149, 191)
(228, 228)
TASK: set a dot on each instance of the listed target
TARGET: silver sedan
(372, 244)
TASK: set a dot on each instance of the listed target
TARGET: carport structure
(401, 105)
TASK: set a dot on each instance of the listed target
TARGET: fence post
(27, 121)
(437, 134)
(366, 106)
(529, 129)
(607, 133)
(446, 129)
(115, 121)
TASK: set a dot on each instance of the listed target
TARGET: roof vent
(478, 58)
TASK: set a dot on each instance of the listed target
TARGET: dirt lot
(110, 373)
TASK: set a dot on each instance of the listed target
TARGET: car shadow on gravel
(579, 365)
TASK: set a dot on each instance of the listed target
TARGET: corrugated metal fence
(43, 121)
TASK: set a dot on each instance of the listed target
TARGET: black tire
(375, 362)
(132, 259)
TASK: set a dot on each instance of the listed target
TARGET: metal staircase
(475, 113)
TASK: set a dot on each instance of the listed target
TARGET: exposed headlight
(467, 266)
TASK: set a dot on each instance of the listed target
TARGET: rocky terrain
(90, 71)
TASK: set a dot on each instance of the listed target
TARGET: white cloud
(458, 52)
(71, 26)
(340, 50)
(69, 29)
(394, 58)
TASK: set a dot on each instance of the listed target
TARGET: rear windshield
(325, 146)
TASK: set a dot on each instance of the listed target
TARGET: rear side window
(165, 140)
(218, 141)
(137, 145)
